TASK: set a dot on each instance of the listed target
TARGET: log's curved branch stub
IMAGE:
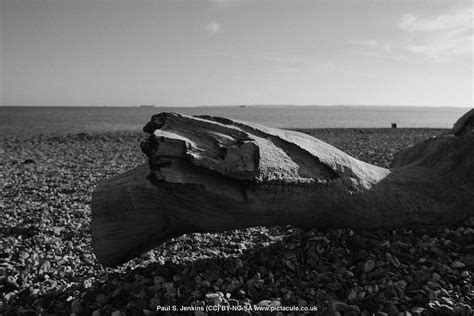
(464, 125)
(439, 148)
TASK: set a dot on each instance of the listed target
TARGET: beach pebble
(339, 306)
(153, 303)
(45, 266)
(76, 307)
(352, 295)
(435, 277)
(464, 274)
(301, 302)
(158, 279)
(418, 311)
(361, 295)
(96, 313)
(215, 298)
(469, 221)
(102, 299)
(264, 303)
(456, 264)
(369, 265)
(462, 309)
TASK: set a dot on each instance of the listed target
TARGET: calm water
(45, 120)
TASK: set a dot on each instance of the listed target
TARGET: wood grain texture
(208, 174)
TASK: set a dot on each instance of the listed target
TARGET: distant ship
(147, 106)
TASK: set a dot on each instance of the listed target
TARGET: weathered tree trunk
(212, 174)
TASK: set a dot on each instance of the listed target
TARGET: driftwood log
(208, 174)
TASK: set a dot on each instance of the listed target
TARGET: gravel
(47, 265)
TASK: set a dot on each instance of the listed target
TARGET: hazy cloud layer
(458, 19)
(371, 44)
(440, 38)
(213, 28)
(364, 43)
(219, 4)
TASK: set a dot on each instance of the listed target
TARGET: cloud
(213, 28)
(443, 48)
(374, 48)
(219, 4)
(460, 18)
(441, 38)
(295, 63)
(407, 21)
(364, 43)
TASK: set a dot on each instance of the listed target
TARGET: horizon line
(244, 106)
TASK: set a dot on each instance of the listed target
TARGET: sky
(231, 52)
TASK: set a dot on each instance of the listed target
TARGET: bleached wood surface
(212, 174)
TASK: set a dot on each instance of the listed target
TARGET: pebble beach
(47, 265)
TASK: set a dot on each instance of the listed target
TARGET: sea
(66, 119)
